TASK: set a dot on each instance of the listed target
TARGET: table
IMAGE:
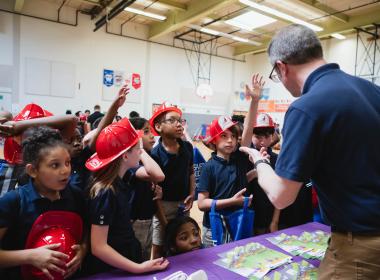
(204, 258)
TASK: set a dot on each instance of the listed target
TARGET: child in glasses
(175, 158)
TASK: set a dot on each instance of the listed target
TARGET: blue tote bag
(226, 227)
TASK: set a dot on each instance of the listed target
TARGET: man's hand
(254, 155)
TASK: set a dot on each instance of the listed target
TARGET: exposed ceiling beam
(326, 9)
(329, 28)
(197, 9)
(174, 5)
(19, 4)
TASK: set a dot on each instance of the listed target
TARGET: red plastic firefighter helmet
(163, 108)
(218, 126)
(53, 227)
(12, 149)
(263, 120)
(112, 142)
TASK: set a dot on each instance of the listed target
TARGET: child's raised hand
(257, 86)
(122, 95)
(156, 264)
(47, 259)
(75, 263)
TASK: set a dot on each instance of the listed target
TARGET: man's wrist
(263, 160)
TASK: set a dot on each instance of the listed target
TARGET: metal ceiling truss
(329, 28)
(367, 58)
(196, 10)
(114, 12)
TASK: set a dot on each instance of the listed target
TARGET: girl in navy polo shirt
(147, 192)
(113, 242)
(47, 162)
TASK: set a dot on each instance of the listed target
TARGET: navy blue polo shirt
(112, 208)
(223, 179)
(20, 208)
(79, 173)
(11, 176)
(260, 202)
(177, 169)
(331, 135)
(143, 205)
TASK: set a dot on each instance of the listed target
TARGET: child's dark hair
(161, 117)
(37, 140)
(138, 122)
(266, 131)
(171, 232)
(235, 130)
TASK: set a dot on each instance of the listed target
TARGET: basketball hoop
(204, 91)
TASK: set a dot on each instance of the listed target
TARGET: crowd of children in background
(132, 194)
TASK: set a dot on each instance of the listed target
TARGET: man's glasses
(274, 76)
(173, 121)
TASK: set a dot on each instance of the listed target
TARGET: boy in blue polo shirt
(175, 158)
(225, 176)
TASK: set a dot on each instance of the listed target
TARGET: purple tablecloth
(203, 259)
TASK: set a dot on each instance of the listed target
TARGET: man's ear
(31, 170)
(282, 68)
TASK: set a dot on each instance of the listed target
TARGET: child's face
(188, 238)
(133, 155)
(171, 125)
(147, 138)
(262, 140)
(76, 143)
(53, 171)
(226, 142)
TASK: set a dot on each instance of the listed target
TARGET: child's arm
(250, 119)
(107, 254)
(190, 198)
(274, 223)
(44, 258)
(204, 202)
(66, 125)
(151, 171)
(109, 116)
(252, 174)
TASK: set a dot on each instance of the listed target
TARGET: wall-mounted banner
(113, 80)
(108, 78)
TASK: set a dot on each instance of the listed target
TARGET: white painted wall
(166, 72)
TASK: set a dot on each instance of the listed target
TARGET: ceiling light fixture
(279, 14)
(338, 36)
(210, 31)
(250, 20)
(145, 14)
(225, 35)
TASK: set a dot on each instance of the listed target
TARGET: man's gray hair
(295, 44)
